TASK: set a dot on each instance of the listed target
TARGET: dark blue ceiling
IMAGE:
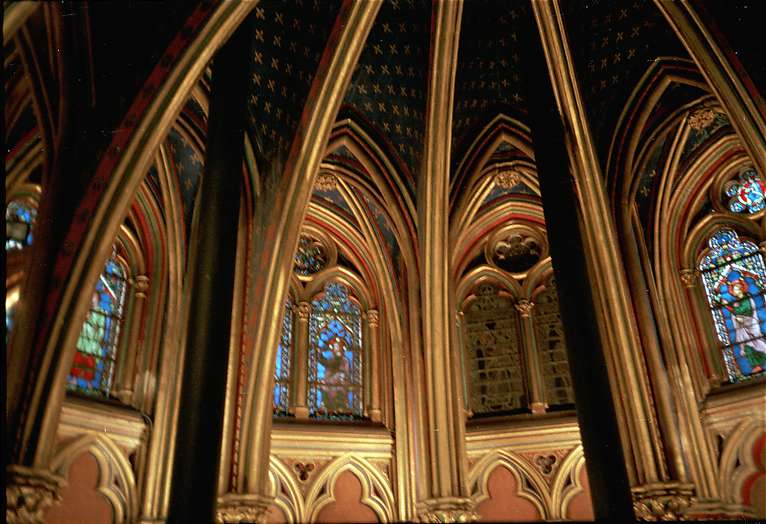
(288, 41)
(388, 88)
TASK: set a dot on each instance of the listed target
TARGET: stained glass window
(557, 382)
(494, 353)
(311, 256)
(747, 194)
(19, 218)
(93, 364)
(282, 368)
(734, 277)
(335, 355)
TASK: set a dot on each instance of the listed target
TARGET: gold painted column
(447, 497)
(299, 376)
(372, 404)
(465, 367)
(537, 399)
(654, 495)
(133, 346)
(277, 219)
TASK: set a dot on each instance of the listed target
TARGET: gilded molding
(29, 493)
(662, 501)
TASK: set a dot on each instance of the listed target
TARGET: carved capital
(507, 179)
(304, 309)
(448, 510)
(29, 493)
(325, 182)
(662, 501)
(373, 318)
(524, 307)
(688, 278)
(235, 508)
(141, 283)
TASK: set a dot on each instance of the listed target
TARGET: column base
(447, 510)
(662, 501)
(717, 510)
(29, 493)
(241, 508)
(538, 408)
(301, 412)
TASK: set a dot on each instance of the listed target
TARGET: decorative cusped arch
(376, 491)
(530, 485)
(116, 481)
(287, 493)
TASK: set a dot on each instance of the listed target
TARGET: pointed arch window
(557, 382)
(734, 278)
(335, 355)
(93, 366)
(495, 361)
(282, 368)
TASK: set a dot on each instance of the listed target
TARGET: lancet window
(335, 355)
(93, 366)
(515, 357)
(494, 353)
(554, 364)
(282, 368)
(734, 279)
(328, 337)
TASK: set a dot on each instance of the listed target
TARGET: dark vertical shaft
(213, 256)
(610, 489)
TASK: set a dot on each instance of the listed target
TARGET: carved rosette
(236, 508)
(507, 179)
(702, 118)
(524, 307)
(29, 493)
(448, 510)
(661, 502)
(325, 182)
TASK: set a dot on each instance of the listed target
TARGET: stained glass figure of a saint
(734, 276)
(93, 364)
(335, 355)
(282, 368)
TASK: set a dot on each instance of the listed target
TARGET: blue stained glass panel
(93, 364)
(335, 355)
(19, 218)
(282, 367)
(310, 258)
(734, 277)
(747, 194)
